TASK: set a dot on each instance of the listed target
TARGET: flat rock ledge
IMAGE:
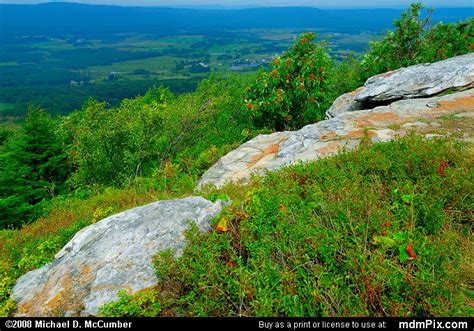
(345, 131)
(419, 81)
(111, 255)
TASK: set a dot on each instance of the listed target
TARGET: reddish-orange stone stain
(329, 135)
(464, 103)
(372, 119)
(269, 150)
(356, 91)
(329, 148)
(357, 134)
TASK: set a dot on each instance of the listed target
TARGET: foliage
(416, 40)
(144, 304)
(110, 144)
(373, 232)
(196, 129)
(32, 169)
(348, 75)
(379, 231)
(154, 133)
(297, 90)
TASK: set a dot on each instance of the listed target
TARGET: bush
(297, 90)
(114, 146)
(415, 40)
(126, 307)
(374, 232)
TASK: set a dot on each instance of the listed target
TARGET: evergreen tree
(32, 169)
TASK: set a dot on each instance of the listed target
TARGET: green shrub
(143, 304)
(115, 146)
(374, 232)
(415, 40)
(297, 90)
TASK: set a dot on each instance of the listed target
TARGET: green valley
(319, 172)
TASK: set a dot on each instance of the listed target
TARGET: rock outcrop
(345, 131)
(108, 256)
(417, 81)
(116, 253)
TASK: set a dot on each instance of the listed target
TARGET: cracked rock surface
(417, 81)
(108, 256)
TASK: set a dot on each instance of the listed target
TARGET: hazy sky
(313, 3)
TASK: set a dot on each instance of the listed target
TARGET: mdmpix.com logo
(433, 324)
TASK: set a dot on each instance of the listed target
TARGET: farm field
(59, 74)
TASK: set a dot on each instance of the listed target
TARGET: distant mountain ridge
(64, 18)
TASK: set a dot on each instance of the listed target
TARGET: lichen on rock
(111, 255)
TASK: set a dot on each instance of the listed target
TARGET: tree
(33, 168)
(416, 40)
(297, 90)
(113, 146)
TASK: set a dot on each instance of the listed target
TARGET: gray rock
(345, 131)
(464, 115)
(420, 80)
(415, 125)
(344, 104)
(412, 82)
(108, 256)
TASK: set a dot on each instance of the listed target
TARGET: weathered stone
(464, 115)
(269, 152)
(108, 256)
(343, 104)
(406, 83)
(419, 80)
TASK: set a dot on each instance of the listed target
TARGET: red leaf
(442, 168)
(410, 251)
(230, 264)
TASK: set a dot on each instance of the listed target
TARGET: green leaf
(384, 241)
(400, 237)
(219, 196)
(407, 198)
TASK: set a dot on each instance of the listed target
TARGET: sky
(267, 3)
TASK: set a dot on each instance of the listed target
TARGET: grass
(328, 238)
(382, 231)
(8, 63)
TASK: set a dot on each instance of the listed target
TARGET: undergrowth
(385, 230)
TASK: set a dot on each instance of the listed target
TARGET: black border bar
(255, 323)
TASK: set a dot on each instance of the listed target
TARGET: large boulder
(407, 83)
(345, 131)
(108, 256)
